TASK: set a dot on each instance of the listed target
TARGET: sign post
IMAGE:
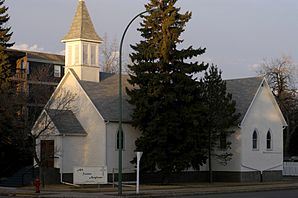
(139, 155)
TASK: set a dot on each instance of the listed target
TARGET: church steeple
(82, 26)
(82, 44)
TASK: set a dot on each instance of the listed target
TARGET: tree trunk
(209, 156)
(287, 140)
(39, 163)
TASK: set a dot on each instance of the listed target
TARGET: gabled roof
(66, 122)
(243, 91)
(82, 27)
(104, 96)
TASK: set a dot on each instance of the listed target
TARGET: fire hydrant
(37, 185)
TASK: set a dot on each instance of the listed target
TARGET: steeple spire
(82, 46)
(82, 27)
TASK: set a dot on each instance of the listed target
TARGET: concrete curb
(194, 193)
(168, 191)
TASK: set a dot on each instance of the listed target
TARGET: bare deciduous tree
(281, 74)
(54, 109)
(109, 59)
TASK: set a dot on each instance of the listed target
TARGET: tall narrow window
(268, 141)
(122, 142)
(76, 55)
(69, 54)
(255, 140)
(85, 54)
(93, 55)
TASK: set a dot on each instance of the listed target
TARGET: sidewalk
(174, 190)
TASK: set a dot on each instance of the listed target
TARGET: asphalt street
(262, 194)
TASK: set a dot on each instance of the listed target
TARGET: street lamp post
(120, 130)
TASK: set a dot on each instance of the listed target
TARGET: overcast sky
(238, 34)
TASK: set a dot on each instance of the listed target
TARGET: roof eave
(82, 39)
(73, 134)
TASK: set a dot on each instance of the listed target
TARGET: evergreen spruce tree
(167, 96)
(10, 136)
(10, 103)
(5, 35)
(220, 116)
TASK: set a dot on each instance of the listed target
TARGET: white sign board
(90, 175)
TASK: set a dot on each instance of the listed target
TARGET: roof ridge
(31, 51)
(245, 78)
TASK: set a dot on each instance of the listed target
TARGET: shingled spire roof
(82, 27)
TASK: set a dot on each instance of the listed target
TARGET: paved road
(264, 194)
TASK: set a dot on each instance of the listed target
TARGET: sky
(237, 34)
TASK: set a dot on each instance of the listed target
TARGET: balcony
(20, 75)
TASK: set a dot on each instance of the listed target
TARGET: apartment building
(36, 74)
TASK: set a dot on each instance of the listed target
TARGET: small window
(122, 142)
(23, 65)
(223, 141)
(268, 141)
(85, 54)
(57, 71)
(255, 140)
(93, 55)
(28, 68)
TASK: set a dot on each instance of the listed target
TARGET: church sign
(90, 175)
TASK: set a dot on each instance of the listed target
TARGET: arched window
(268, 140)
(255, 140)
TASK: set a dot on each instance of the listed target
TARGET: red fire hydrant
(37, 185)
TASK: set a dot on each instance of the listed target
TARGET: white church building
(85, 133)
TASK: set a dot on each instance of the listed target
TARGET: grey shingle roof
(243, 92)
(82, 26)
(45, 57)
(66, 122)
(104, 95)
(37, 56)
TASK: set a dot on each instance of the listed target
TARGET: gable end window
(255, 140)
(268, 141)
